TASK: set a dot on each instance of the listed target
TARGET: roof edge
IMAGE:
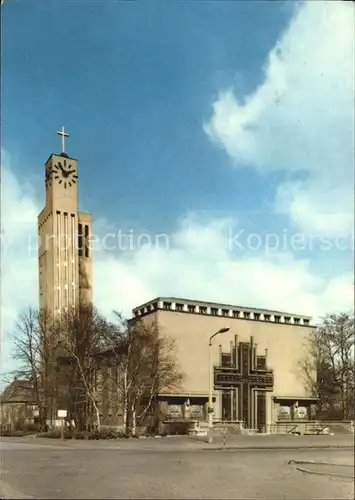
(220, 305)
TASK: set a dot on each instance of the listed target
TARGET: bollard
(224, 437)
(210, 436)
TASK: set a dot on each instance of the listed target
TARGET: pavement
(249, 467)
(178, 443)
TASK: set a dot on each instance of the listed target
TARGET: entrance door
(261, 412)
(227, 405)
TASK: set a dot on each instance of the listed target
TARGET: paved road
(174, 468)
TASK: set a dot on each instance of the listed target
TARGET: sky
(215, 141)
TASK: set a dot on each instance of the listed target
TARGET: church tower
(64, 255)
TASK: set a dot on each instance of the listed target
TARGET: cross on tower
(64, 135)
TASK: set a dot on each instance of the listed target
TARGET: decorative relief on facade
(284, 413)
(243, 383)
(185, 411)
(175, 411)
(194, 411)
(301, 413)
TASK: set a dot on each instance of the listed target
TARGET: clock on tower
(64, 173)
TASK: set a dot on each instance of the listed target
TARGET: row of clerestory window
(179, 307)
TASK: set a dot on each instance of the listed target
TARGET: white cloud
(196, 270)
(19, 281)
(300, 120)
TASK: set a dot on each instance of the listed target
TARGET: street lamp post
(210, 386)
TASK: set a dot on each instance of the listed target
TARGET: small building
(18, 405)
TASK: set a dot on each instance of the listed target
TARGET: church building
(239, 364)
(246, 359)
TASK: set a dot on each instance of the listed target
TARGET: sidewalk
(184, 443)
(280, 442)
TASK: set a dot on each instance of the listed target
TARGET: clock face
(65, 174)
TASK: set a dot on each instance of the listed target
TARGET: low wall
(236, 427)
(340, 427)
(296, 427)
(311, 427)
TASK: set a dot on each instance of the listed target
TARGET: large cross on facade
(247, 377)
(64, 135)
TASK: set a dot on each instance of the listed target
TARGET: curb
(268, 448)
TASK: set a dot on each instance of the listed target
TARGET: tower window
(80, 240)
(86, 241)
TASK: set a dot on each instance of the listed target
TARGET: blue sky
(133, 83)
(195, 119)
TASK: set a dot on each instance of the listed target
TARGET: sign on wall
(62, 413)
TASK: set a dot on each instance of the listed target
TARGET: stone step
(198, 432)
(249, 432)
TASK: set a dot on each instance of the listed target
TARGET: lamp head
(222, 330)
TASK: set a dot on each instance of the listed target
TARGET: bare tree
(85, 333)
(154, 370)
(146, 366)
(328, 367)
(65, 358)
(35, 339)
